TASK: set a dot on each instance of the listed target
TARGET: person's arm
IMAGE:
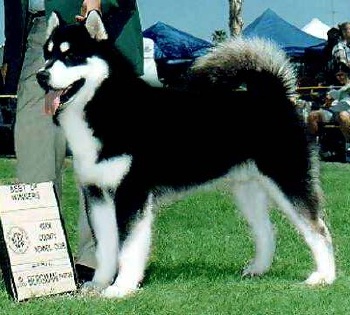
(103, 6)
(87, 6)
(122, 22)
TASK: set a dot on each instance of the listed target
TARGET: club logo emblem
(18, 240)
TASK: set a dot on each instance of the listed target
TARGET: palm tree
(218, 36)
(235, 17)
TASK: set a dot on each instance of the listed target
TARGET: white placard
(36, 259)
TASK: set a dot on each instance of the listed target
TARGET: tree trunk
(235, 17)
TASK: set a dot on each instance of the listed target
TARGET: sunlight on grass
(201, 243)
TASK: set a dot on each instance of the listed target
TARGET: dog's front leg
(101, 214)
(134, 255)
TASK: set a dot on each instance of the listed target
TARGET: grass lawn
(198, 255)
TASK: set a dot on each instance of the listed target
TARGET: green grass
(198, 255)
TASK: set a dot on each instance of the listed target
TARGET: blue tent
(173, 44)
(291, 39)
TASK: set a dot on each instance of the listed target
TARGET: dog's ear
(54, 21)
(95, 27)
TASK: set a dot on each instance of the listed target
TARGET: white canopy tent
(316, 28)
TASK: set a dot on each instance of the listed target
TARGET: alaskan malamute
(131, 143)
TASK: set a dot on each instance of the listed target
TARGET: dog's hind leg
(133, 256)
(253, 202)
(315, 233)
(319, 239)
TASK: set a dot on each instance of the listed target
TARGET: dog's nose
(42, 77)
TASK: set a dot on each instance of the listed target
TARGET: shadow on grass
(211, 272)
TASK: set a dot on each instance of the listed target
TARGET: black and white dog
(131, 143)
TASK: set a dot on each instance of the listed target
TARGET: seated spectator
(334, 36)
(336, 107)
(341, 51)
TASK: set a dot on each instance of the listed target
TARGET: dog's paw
(91, 288)
(253, 270)
(114, 291)
(318, 278)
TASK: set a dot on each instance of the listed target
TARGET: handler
(40, 146)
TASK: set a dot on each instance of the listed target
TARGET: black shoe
(83, 273)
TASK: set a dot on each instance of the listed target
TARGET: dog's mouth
(54, 98)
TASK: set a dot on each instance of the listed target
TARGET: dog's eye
(71, 57)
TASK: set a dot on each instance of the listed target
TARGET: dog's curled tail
(245, 60)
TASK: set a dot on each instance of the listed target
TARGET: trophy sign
(35, 255)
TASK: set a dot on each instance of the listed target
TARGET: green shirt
(125, 20)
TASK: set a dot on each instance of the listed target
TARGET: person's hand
(86, 7)
(328, 101)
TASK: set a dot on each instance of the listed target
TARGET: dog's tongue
(52, 101)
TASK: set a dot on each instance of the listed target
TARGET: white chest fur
(85, 147)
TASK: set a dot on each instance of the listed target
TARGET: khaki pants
(39, 144)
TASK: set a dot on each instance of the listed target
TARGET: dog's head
(72, 67)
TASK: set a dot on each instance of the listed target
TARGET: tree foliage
(219, 36)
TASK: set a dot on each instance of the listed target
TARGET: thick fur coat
(132, 143)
